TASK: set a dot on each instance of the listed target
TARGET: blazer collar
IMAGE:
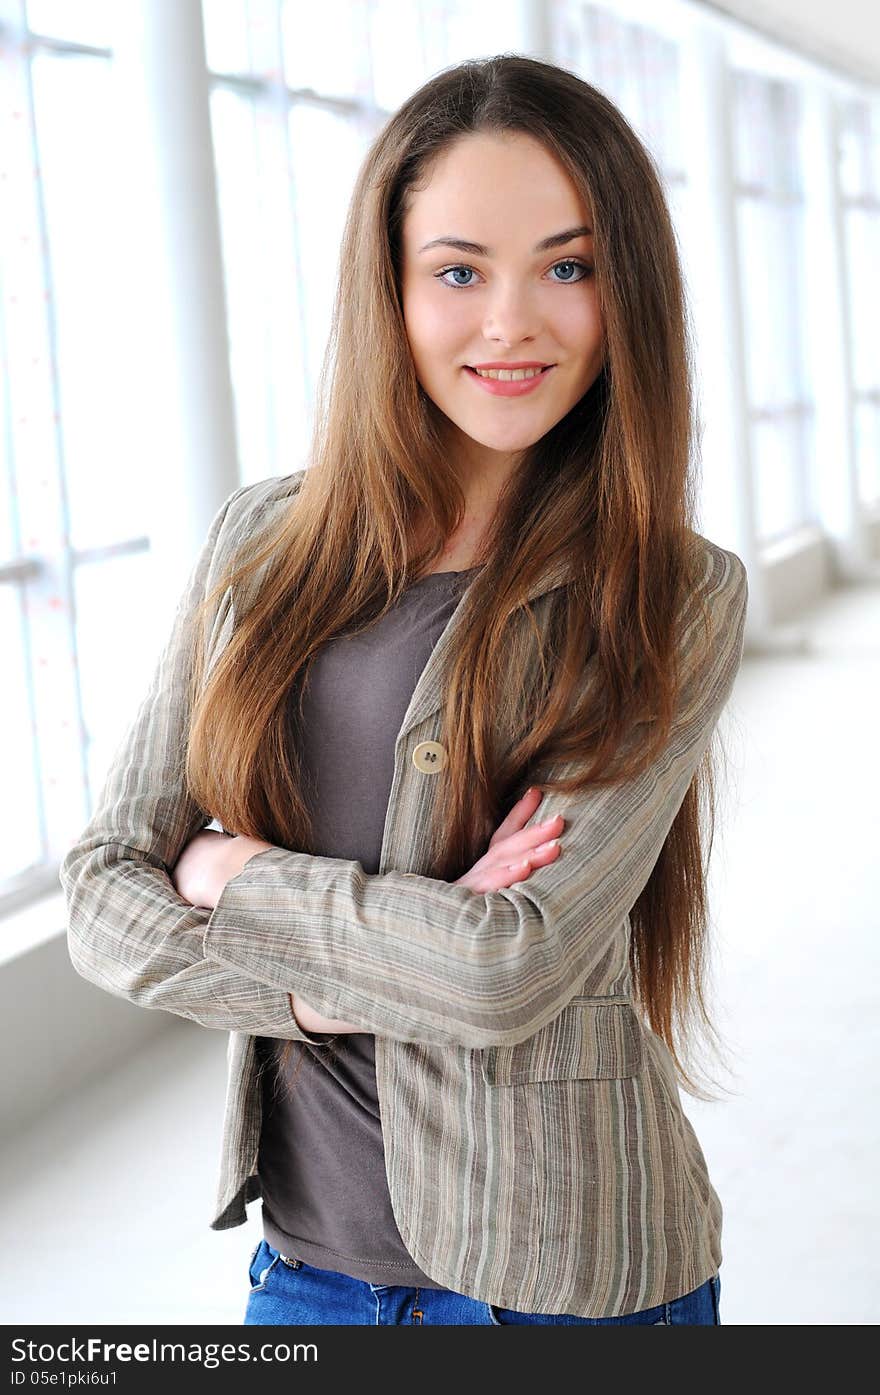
(428, 694)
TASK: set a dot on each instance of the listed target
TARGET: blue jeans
(286, 1291)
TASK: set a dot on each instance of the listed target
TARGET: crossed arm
(401, 954)
(211, 859)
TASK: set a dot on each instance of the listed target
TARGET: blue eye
(468, 270)
(587, 270)
(449, 269)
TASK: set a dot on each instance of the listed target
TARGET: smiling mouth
(509, 375)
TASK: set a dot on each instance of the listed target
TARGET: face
(510, 302)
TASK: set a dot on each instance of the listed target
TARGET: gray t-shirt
(321, 1161)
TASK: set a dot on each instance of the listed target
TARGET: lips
(509, 387)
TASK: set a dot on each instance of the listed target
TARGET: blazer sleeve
(419, 959)
(128, 930)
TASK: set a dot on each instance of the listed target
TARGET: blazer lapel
(428, 694)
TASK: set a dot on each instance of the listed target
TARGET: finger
(502, 876)
(520, 813)
(522, 870)
(516, 844)
(538, 857)
(492, 877)
(515, 850)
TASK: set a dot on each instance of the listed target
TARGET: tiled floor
(104, 1209)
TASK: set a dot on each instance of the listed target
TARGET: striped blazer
(537, 1154)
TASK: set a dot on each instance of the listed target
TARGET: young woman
(451, 690)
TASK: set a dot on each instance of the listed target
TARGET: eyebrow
(478, 250)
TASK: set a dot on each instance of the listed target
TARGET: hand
(209, 860)
(311, 1020)
(514, 849)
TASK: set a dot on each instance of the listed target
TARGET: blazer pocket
(591, 1039)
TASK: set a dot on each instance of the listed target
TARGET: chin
(512, 443)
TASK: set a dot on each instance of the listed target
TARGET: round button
(429, 757)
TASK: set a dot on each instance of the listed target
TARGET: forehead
(504, 186)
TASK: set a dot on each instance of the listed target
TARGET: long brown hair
(608, 491)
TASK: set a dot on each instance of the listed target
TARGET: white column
(829, 338)
(537, 29)
(179, 394)
(710, 247)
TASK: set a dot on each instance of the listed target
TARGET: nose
(511, 316)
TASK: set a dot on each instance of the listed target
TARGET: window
(296, 95)
(298, 92)
(638, 69)
(70, 537)
(859, 182)
(770, 217)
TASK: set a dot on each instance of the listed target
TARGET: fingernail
(552, 844)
